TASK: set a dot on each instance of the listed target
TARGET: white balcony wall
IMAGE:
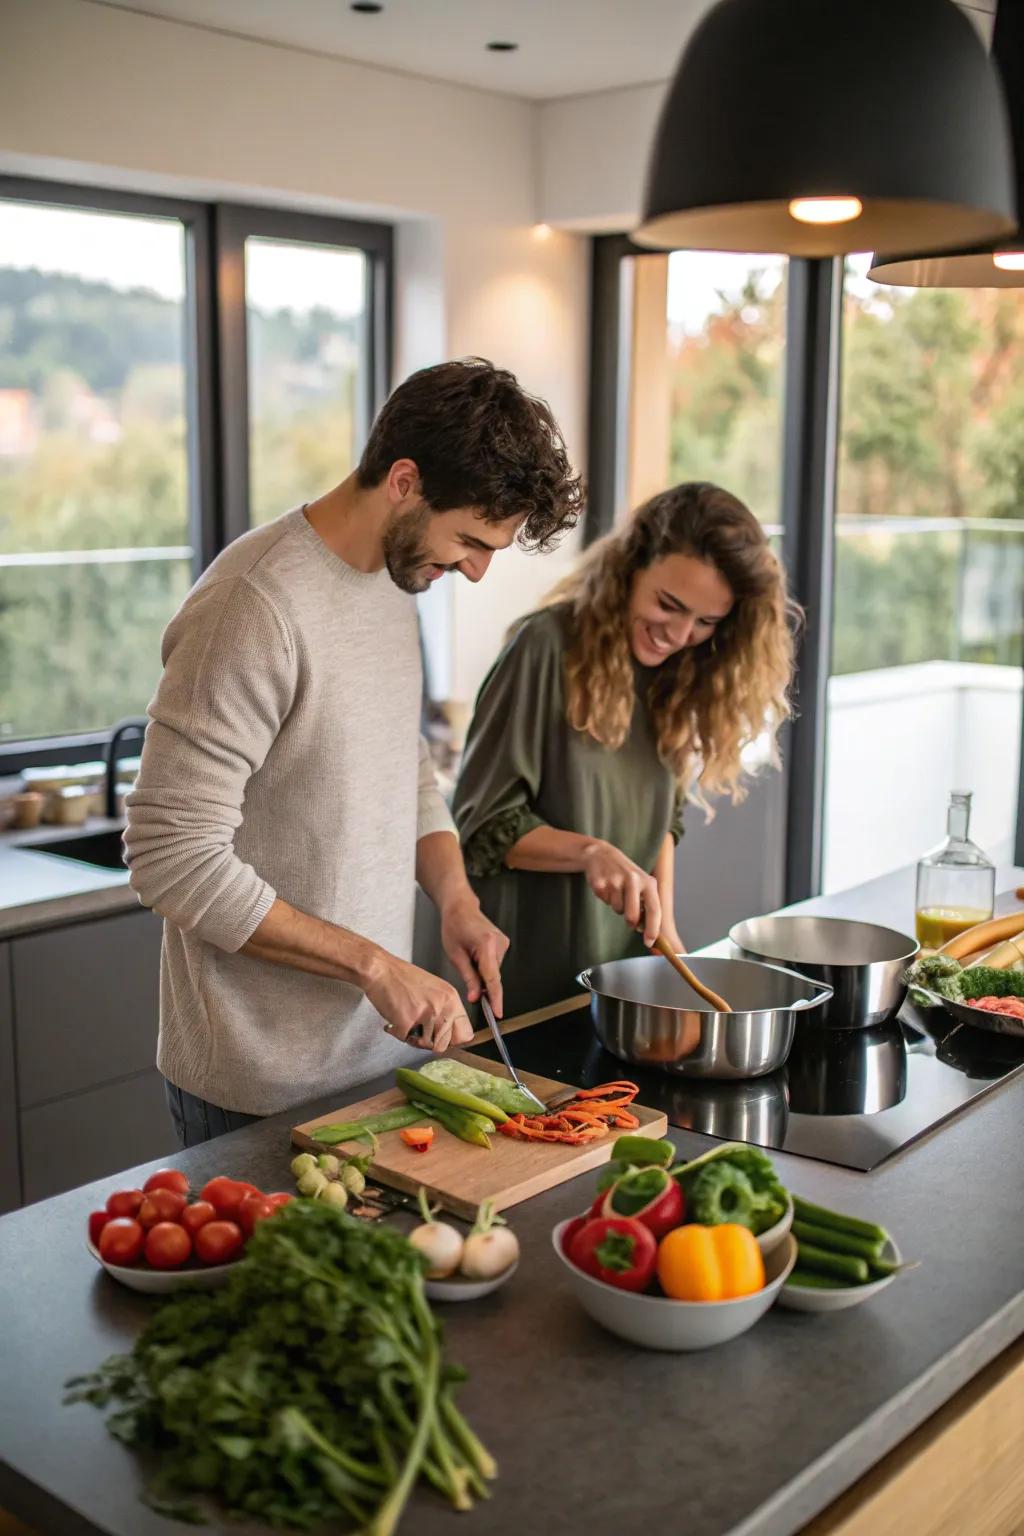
(899, 741)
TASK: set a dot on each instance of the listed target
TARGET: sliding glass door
(928, 639)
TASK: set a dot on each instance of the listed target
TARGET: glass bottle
(956, 882)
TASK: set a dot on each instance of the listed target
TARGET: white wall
(93, 94)
(899, 741)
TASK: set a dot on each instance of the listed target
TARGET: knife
(492, 1025)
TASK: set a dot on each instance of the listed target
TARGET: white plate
(458, 1288)
(657, 1322)
(162, 1282)
(801, 1298)
(769, 1240)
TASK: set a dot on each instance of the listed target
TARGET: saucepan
(645, 1014)
(863, 963)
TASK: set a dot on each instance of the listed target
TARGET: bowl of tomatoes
(166, 1236)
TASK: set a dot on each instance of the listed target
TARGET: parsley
(310, 1388)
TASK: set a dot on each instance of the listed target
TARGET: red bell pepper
(650, 1196)
(618, 1251)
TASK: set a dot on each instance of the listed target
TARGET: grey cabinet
(86, 1004)
(9, 1177)
(87, 1100)
(89, 1135)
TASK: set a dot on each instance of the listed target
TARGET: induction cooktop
(851, 1097)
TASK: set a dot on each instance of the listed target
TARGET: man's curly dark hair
(478, 440)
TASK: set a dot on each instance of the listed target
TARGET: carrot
(418, 1137)
(588, 1117)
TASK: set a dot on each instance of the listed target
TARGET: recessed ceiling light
(502, 47)
(366, 7)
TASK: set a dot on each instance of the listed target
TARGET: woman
(635, 687)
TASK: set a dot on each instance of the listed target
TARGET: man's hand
(475, 947)
(407, 997)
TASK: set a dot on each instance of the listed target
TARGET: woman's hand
(625, 887)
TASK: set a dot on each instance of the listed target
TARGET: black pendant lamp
(817, 127)
(999, 263)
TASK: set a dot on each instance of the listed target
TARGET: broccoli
(938, 973)
(989, 981)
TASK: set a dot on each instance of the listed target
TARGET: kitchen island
(754, 1438)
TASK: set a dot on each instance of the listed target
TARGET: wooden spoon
(662, 945)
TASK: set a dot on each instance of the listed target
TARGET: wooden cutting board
(458, 1175)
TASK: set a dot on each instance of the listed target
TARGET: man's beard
(405, 553)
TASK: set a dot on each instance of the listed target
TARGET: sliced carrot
(418, 1137)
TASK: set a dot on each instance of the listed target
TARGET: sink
(104, 849)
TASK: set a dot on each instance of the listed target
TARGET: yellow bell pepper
(710, 1263)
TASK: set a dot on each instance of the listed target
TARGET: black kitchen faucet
(134, 725)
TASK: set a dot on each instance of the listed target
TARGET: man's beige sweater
(283, 758)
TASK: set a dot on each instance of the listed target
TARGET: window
(95, 551)
(119, 476)
(798, 386)
(306, 313)
(726, 339)
(928, 638)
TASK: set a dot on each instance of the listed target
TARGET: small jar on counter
(70, 807)
(28, 810)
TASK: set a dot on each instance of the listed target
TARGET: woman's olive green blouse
(524, 766)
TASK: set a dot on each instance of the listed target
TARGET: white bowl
(800, 1298)
(770, 1239)
(458, 1288)
(657, 1322)
(162, 1282)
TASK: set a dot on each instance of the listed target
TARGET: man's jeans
(196, 1121)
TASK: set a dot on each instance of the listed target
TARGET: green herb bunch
(310, 1388)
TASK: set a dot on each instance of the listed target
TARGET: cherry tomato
(125, 1202)
(161, 1205)
(226, 1195)
(254, 1208)
(218, 1241)
(121, 1241)
(97, 1221)
(281, 1198)
(167, 1245)
(197, 1215)
(166, 1178)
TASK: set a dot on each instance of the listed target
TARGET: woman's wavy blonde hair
(707, 702)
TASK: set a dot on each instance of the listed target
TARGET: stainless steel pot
(644, 1013)
(862, 963)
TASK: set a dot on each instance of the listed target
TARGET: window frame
(810, 453)
(216, 366)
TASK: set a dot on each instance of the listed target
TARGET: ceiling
(566, 47)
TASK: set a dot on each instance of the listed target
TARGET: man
(286, 803)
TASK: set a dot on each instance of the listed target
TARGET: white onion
(486, 1255)
(440, 1245)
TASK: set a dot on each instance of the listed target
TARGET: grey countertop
(42, 890)
(756, 1436)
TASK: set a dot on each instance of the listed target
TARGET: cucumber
(641, 1151)
(840, 1265)
(881, 1269)
(835, 1241)
(819, 1216)
(485, 1085)
(354, 1130)
(415, 1085)
(813, 1282)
